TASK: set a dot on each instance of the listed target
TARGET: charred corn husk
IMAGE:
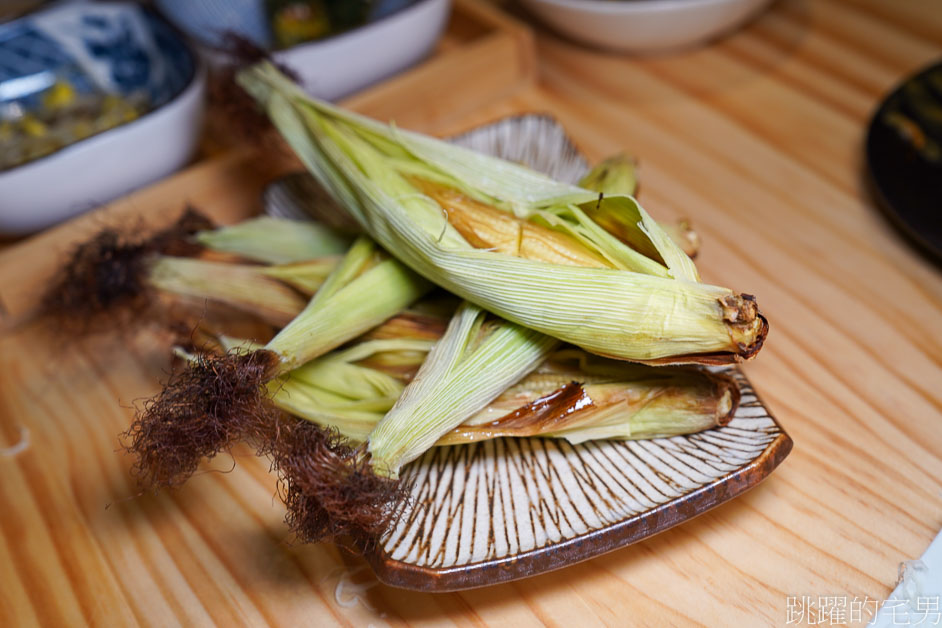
(581, 397)
(648, 306)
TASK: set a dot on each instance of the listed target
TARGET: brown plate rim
(591, 544)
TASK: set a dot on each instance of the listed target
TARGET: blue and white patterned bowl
(112, 47)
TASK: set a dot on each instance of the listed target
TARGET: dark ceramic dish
(904, 158)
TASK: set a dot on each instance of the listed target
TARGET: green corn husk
(572, 395)
(475, 360)
(471, 365)
(275, 240)
(307, 276)
(464, 370)
(619, 175)
(658, 315)
(484, 227)
(363, 290)
(352, 388)
(261, 290)
(337, 391)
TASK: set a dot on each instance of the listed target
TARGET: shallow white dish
(329, 68)
(644, 26)
(95, 40)
(103, 167)
(345, 63)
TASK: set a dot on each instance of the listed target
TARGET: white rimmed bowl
(644, 26)
(400, 34)
(116, 47)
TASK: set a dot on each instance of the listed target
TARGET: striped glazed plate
(505, 509)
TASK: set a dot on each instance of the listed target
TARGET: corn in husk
(115, 274)
(357, 293)
(645, 305)
(572, 395)
(297, 257)
(471, 365)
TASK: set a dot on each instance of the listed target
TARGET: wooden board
(758, 140)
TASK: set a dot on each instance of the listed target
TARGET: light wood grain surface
(758, 139)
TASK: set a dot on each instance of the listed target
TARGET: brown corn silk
(104, 279)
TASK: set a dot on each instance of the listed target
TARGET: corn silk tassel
(103, 284)
(643, 302)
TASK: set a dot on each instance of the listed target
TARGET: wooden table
(758, 139)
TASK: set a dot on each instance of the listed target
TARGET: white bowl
(329, 68)
(117, 46)
(644, 26)
(338, 66)
(103, 167)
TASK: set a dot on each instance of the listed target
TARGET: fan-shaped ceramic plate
(505, 509)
